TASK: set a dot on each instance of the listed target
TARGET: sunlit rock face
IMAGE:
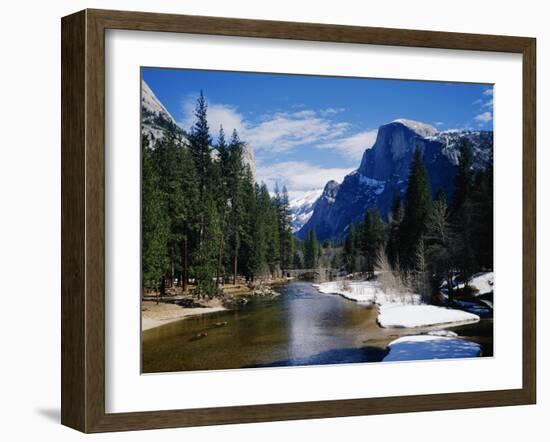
(157, 122)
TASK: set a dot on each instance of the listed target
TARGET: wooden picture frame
(83, 219)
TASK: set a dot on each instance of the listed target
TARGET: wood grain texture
(83, 219)
(529, 220)
(73, 254)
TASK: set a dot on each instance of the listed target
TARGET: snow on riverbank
(396, 310)
(424, 315)
(365, 292)
(482, 282)
(421, 347)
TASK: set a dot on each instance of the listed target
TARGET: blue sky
(306, 130)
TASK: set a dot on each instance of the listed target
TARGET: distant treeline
(429, 239)
(203, 217)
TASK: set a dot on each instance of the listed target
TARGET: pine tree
(178, 181)
(418, 201)
(285, 232)
(463, 213)
(350, 250)
(440, 243)
(272, 237)
(261, 227)
(394, 220)
(464, 178)
(482, 230)
(373, 237)
(250, 222)
(206, 256)
(200, 143)
(155, 223)
(222, 169)
(236, 179)
(186, 221)
(311, 250)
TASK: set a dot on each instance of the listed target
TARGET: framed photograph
(268, 220)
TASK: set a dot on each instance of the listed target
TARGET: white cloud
(275, 132)
(283, 132)
(299, 176)
(331, 111)
(439, 123)
(353, 146)
(484, 117)
(304, 114)
(228, 117)
(486, 101)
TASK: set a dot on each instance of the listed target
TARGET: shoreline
(392, 314)
(155, 315)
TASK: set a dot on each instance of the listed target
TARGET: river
(299, 327)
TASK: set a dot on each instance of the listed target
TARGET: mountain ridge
(384, 169)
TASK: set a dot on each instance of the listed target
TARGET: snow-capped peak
(307, 198)
(422, 129)
(301, 208)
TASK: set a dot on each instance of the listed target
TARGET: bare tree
(421, 274)
(394, 282)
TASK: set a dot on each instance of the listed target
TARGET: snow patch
(422, 347)
(482, 282)
(446, 333)
(423, 315)
(301, 208)
(396, 310)
(365, 292)
(422, 129)
(376, 186)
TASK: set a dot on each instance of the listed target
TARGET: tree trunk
(184, 264)
(450, 289)
(235, 258)
(218, 267)
(162, 290)
(235, 268)
(172, 275)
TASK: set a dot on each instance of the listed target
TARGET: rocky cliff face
(322, 211)
(156, 121)
(384, 171)
(250, 159)
(155, 118)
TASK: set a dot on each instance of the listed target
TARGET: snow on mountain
(301, 208)
(480, 142)
(422, 129)
(323, 212)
